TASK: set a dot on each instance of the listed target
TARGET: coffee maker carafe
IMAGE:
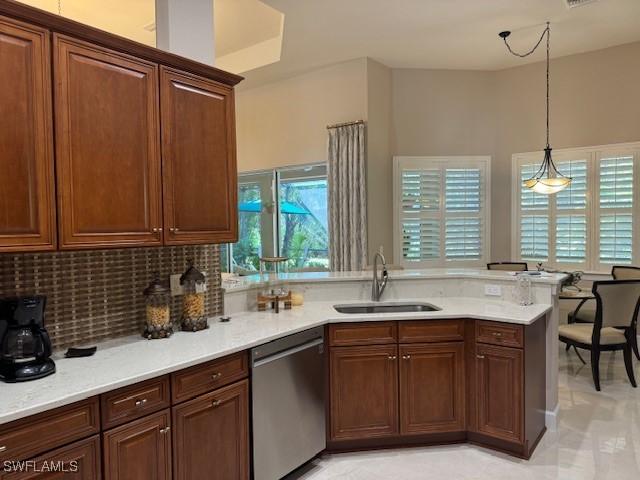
(25, 346)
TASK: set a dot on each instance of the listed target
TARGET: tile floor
(598, 438)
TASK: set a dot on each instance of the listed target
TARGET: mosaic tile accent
(97, 295)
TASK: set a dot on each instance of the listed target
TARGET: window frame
(593, 155)
(482, 162)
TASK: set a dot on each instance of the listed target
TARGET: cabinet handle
(392, 357)
(215, 403)
(165, 430)
(497, 334)
(406, 357)
(160, 229)
(173, 229)
(155, 230)
(140, 403)
(480, 356)
(3, 448)
(216, 376)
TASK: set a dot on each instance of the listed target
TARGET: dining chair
(508, 266)
(618, 272)
(616, 317)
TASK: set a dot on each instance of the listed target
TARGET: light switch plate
(493, 290)
(176, 288)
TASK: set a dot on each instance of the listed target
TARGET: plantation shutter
(420, 207)
(571, 214)
(534, 219)
(616, 210)
(441, 208)
(463, 224)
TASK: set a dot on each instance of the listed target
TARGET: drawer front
(495, 333)
(430, 331)
(203, 378)
(135, 401)
(365, 333)
(31, 436)
(81, 461)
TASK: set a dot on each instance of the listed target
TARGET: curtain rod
(345, 124)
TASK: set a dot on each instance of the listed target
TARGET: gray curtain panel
(347, 198)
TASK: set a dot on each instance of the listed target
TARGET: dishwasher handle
(286, 353)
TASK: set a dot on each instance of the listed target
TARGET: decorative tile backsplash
(96, 295)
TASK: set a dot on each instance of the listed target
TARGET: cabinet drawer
(135, 401)
(429, 331)
(31, 436)
(496, 333)
(365, 333)
(203, 378)
(81, 460)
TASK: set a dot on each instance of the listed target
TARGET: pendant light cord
(548, 32)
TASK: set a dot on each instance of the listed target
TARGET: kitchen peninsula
(465, 318)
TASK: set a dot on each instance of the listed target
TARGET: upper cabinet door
(108, 148)
(27, 195)
(199, 160)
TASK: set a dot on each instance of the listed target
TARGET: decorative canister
(523, 290)
(158, 313)
(193, 285)
(274, 277)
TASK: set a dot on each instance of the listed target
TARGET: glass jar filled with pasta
(193, 284)
(157, 311)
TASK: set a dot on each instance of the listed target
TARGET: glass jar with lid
(193, 299)
(158, 313)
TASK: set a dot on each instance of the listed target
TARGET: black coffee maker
(25, 346)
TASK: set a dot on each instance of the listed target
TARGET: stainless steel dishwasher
(288, 384)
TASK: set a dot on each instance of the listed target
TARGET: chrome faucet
(378, 286)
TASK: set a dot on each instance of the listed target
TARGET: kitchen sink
(385, 308)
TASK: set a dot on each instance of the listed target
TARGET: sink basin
(385, 308)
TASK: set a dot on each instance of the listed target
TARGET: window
(587, 226)
(281, 212)
(441, 211)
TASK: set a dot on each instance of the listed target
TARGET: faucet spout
(379, 284)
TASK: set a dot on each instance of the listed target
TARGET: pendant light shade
(547, 179)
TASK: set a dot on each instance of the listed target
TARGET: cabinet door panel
(432, 388)
(27, 205)
(211, 435)
(364, 392)
(107, 139)
(499, 393)
(139, 450)
(78, 461)
(199, 160)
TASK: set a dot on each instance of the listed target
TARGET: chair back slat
(617, 302)
(625, 272)
(508, 266)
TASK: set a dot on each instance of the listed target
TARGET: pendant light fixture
(547, 179)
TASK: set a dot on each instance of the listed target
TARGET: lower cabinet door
(211, 435)
(364, 392)
(139, 450)
(500, 392)
(432, 388)
(78, 461)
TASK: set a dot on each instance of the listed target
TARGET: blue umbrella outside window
(255, 206)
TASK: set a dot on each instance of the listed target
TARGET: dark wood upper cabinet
(139, 450)
(364, 392)
(499, 392)
(27, 195)
(198, 159)
(211, 435)
(107, 146)
(432, 388)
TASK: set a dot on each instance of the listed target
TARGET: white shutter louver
(420, 200)
(616, 182)
(534, 237)
(571, 219)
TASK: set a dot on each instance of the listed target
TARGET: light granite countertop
(130, 360)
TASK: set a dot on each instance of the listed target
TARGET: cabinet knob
(406, 357)
(215, 403)
(480, 356)
(3, 448)
(141, 402)
(497, 334)
(154, 230)
(216, 376)
(165, 430)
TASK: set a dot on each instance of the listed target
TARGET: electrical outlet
(493, 290)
